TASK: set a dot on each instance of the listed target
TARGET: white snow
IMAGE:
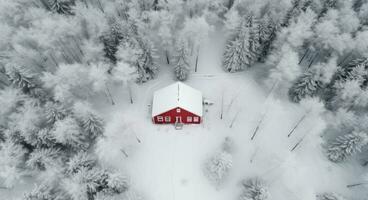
(167, 164)
(177, 95)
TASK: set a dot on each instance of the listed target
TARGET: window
(160, 119)
(196, 119)
(189, 119)
(178, 110)
(167, 119)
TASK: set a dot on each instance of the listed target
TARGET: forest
(72, 71)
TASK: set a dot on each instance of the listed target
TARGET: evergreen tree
(217, 167)
(12, 157)
(59, 6)
(267, 35)
(146, 66)
(356, 69)
(232, 61)
(182, 61)
(327, 5)
(20, 77)
(254, 189)
(68, 133)
(346, 145)
(329, 196)
(255, 34)
(43, 158)
(307, 85)
(242, 49)
(44, 139)
(79, 161)
(112, 38)
(91, 123)
(54, 112)
(116, 183)
(292, 13)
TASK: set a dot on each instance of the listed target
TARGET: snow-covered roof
(177, 95)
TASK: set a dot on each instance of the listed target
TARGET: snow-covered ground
(167, 163)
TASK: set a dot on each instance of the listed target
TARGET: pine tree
(20, 77)
(146, 66)
(112, 38)
(44, 139)
(79, 161)
(267, 35)
(356, 69)
(307, 85)
(242, 50)
(40, 192)
(346, 145)
(292, 13)
(116, 183)
(90, 121)
(68, 133)
(254, 189)
(61, 6)
(54, 112)
(253, 25)
(232, 61)
(43, 158)
(217, 167)
(182, 61)
(329, 196)
(327, 5)
(12, 157)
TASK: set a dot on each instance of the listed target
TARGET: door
(178, 119)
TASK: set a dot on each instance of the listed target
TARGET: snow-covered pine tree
(116, 183)
(232, 61)
(254, 189)
(112, 38)
(12, 157)
(68, 133)
(292, 13)
(307, 85)
(217, 168)
(43, 158)
(346, 145)
(327, 5)
(44, 139)
(329, 196)
(182, 60)
(253, 43)
(79, 161)
(40, 192)
(20, 77)
(91, 123)
(352, 71)
(242, 49)
(59, 6)
(267, 34)
(146, 66)
(54, 111)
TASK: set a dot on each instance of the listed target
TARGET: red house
(177, 103)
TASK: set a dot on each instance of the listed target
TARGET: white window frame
(189, 119)
(178, 110)
(160, 118)
(167, 118)
(195, 119)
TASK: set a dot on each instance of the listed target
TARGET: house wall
(184, 114)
